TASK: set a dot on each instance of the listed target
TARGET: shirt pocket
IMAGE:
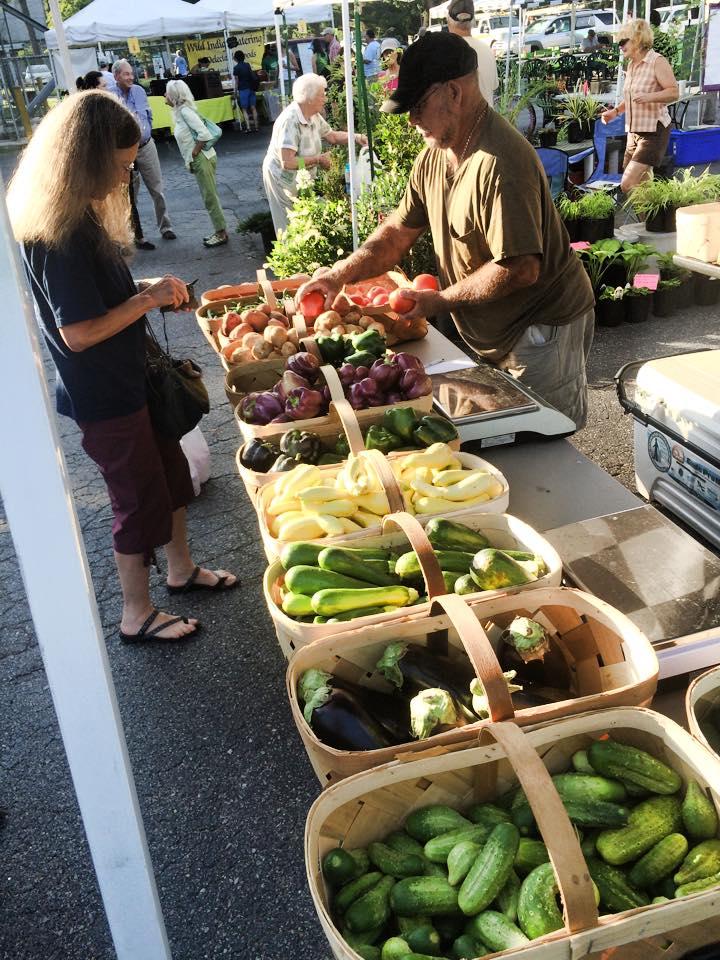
(469, 249)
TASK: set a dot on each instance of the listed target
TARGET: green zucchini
(466, 947)
(427, 822)
(308, 580)
(341, 560)
(395, 864)
(355, 889)
(372, 909)
(460, 859)
(648, 823)
(423, 896)
(304, 553)
(698, 813)
(701, 862)
(494, 570)
(447, 535)
(616, 894)
(329, 603)
(438, 849)
(631, 765)
(339, 867)
(507, 899)
(530, 854)
(488, 814)
(368, 952)
(407, 566)
(297, 605)
(395, 949)
(696, 886)
(660, 861)
(496, 931)
(354, 614)
(490, 871)
(537, 908)
(424, 939)
(464, 585)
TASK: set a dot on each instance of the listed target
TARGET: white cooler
(676, 408)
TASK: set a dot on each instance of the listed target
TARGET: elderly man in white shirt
(461, 20)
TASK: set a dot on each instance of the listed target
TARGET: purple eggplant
(260, 408)
(290, 381)
(357, 397)
(305, 365)
(303, 403)
(412, 668)
(386, 373)
(408, 361)
(415, 383)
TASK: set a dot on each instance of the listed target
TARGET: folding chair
(555, 165)
(599, 179)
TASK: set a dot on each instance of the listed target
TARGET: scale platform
(491, 408)
(666, 582)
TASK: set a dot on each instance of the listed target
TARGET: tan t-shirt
(496, 206)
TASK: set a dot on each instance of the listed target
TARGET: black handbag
(177, 398)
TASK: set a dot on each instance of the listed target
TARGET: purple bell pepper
(347, 374)
(304, 365)
(304, 403)
(415, 383)
(357, 397)
(290, 381)
(361, 373)
(386, 373)
(408, 361)
(260, 408)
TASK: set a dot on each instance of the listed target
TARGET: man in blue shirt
(147, 162)
(371, 56)
(180, 64)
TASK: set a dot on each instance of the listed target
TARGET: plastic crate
(695, 146)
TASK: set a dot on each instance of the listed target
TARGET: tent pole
(228, 57)
(278, 44)
(287, 52)
(350, 113)
(362, 86)
(38, 499)
(620, 73)
(509, 47)
(62, 44)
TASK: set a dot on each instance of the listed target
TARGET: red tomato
(380, 300)
(425, 281)
(312, 305)
(375, 292)
(399, 303)
(360, 300)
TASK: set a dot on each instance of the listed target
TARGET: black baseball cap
(434, 58)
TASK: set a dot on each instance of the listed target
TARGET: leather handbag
(177, 398)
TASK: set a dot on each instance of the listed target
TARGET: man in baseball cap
(461, 21)
(334, 47)
(515, 290)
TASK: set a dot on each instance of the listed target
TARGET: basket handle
(558, 834)
(350, 425)
(267, 289)
(331, 378)
(299, 325)
(387, 478)
(480, 652)
(432, 575)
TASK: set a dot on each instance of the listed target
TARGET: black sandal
(190, 584)
(144, 634)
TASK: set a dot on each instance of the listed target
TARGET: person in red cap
(515, 289)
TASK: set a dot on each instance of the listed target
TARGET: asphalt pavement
(222, 777)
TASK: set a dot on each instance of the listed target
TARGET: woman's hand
(167, 292)
(324, 160)
(607, 115)
(361, 139)
(196, 150)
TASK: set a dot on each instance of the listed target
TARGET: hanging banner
(133, 46)
(251, 42)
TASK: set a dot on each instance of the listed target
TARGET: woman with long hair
(69, 212)
(650, 86)
(190, 134)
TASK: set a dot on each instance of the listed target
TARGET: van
(493, 28)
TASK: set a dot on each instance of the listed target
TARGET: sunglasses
(621, 43)
(418, 108)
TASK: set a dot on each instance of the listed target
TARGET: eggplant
(412, 668)
(338, 717)
(391, 710)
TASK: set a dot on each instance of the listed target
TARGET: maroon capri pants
(147, 477)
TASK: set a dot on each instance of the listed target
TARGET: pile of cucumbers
(462, 885)
(335, 584)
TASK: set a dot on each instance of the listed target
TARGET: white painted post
(38, 501)
(62, 44)
(350, 114)
(278, 44)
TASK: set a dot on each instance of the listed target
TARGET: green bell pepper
(361, 358)
(332, 349)
(370, 341)
(342, 447)
(328, 458)
(401, 421)
(378, 438)
(434, 430)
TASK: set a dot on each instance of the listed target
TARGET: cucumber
(660, 900)
(395, 949)
(421, 956)
(496, 931)
(402, 842)
(698, 813)
(621, 762)
(407, 567)
(372, 909)
(685, 889)
(616, 894)
(308, 580)
(581, 764)
(362, 860)
(447, 535)
(488, 814)
(465, 584)
(530, 854)
(507, 899)
(579, 786)
(701, 862)
(438, 849)
(364, 939)
(297, 605)
(449, 926)
(367, 952)
(648, 823)
(339, 867)
(408, 924)
(341, 560)
(304, 553)
(354, 890)
(490, 871)
(329, 603)
(424, 939)
(395, 864)
(583, 813)
(666, 888)
(460, 859)
(587, 845)
(428, 822)
(423, 896)
(466, 947)
(659, 862)
(537, 909)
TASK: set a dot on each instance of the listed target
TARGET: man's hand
(428, 303)
(324, 161)
(167, 292)
(325, 283)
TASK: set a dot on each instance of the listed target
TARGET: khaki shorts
(647, 148)
(551, 360)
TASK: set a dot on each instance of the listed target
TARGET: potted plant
(706, 290)
(261, 223)
(597, 258)
(665, 297)
(611, 306)
(597, 216)
(639, 303)
(683, 292)
(575, 116)
(547, 136)
(657, 200)
(592, 108)
(569, 211)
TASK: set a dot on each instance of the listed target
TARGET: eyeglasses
(418, 108)
(621, 43)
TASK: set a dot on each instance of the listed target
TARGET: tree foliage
(67, 9)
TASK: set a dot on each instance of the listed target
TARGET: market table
(217, 109)
(698, 266)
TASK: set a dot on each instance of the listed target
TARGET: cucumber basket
(593, 657)
(702, 705)
(508, 902)
(500, 529)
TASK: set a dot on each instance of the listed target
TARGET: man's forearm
(382, 250)
(492, 281)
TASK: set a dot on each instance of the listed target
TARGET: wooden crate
(502, 531)
(605, 658)
(368, 806)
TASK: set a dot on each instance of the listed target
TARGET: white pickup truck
(556, 31)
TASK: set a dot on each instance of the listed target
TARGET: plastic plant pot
(706, 290)
(662, 222)
(592, 230)
(663, 302)
(610, 313)
(638, 310)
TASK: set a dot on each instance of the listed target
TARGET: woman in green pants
(191, 133)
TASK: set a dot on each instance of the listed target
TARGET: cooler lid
(684, 389)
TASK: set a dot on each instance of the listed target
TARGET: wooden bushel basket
(502, 531)
(606, 660)
(370, 805)
(703, 695)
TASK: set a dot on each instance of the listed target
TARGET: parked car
(675, 15)
(493, 28)
(37, 72)
(556, 31)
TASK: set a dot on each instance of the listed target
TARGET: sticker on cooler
(687, 469)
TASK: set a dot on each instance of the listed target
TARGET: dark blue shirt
(82, 282)
(243, 71)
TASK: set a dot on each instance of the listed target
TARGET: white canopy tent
(240, 15)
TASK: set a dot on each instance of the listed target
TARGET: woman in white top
(190, 133)
(296, 144)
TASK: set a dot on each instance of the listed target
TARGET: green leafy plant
(639, 292)
(635, 255)
(575, 109)
(567, 208)
(613, 293)
(597, 258)
(597, 205)
(651, 197)
(670, 284)
(256, 223)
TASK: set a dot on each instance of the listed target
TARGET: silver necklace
(478, 118)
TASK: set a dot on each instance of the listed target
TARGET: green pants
(204, 171)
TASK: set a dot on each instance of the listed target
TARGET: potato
(288, 349)
(329, 318)
(261, 350)
(276, 336)
(257, 319)
(237, 333)
(277, 315)
(250, 339)
(265, 307)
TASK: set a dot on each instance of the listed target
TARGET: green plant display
(601, 255)
(651, 197)
(668, 268)
(567, 208)
(597, 205)
(613, 293)
(256, 223)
